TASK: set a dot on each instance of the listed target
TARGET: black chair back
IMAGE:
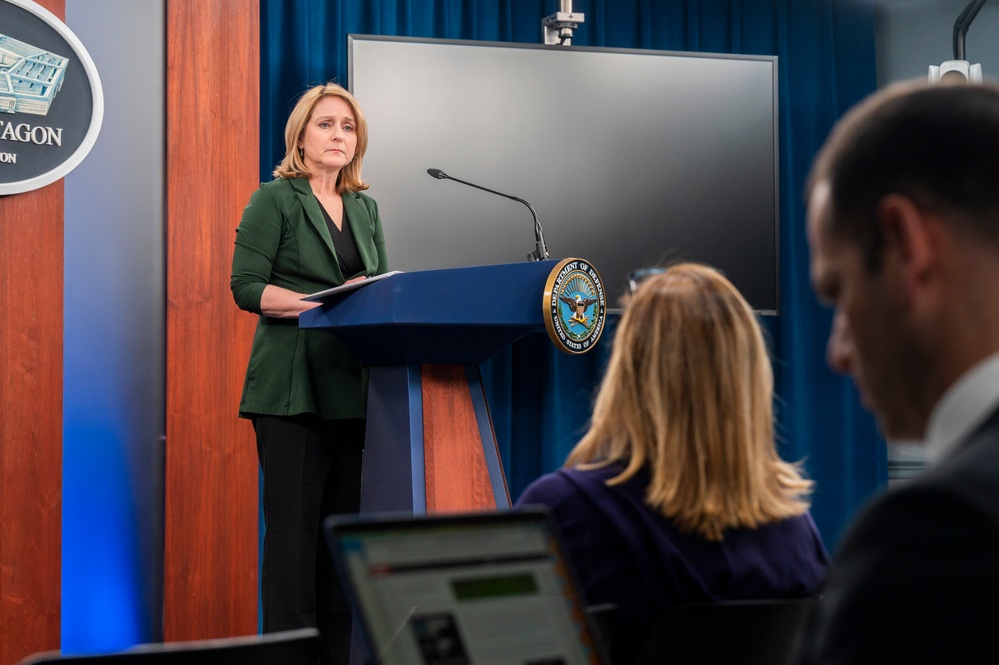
(291, 647)
(738, 632)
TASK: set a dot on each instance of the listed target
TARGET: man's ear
(909, 238)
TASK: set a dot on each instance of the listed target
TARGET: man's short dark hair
(938, 145)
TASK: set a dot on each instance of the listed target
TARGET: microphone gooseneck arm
(540, 252)
(962, 24)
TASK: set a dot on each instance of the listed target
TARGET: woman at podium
(308, 230)
(676, 493)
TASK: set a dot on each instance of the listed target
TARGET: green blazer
(283, 240)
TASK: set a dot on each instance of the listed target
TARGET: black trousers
(311, 469)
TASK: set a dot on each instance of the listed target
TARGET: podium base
(429, 444)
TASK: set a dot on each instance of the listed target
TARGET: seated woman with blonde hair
(676, 494)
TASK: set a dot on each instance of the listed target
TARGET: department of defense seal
(575, 306)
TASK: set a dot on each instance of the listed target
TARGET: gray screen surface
(630, 158)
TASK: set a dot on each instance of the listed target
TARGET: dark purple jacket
(627, 554)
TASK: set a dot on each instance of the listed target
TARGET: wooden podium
(430, 445)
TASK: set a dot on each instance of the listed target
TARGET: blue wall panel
(114, 347)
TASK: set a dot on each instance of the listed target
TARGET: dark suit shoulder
(973, 468)
(915, 577)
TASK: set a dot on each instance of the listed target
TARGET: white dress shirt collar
(962, 408)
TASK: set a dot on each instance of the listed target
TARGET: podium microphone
(540, 252)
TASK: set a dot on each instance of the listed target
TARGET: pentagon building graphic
(29, 77)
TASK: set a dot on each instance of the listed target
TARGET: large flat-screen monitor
(630, 158)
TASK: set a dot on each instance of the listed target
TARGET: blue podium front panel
(453, 316)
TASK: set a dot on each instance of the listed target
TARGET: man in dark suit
(904, 233)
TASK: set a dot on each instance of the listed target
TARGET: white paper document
(320, 295)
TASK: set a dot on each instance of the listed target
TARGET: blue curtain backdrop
(539, 398)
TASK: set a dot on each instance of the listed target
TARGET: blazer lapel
(312, 212)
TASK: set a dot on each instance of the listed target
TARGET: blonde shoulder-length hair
(688, 393)
(293, 166)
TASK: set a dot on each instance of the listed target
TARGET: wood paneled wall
(31, 319)
(31, 286)
(211, 513)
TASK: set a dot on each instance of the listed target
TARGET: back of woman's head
(688, 393)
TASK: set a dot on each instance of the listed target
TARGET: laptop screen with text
(475, 588)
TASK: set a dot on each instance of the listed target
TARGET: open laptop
(463, 589)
